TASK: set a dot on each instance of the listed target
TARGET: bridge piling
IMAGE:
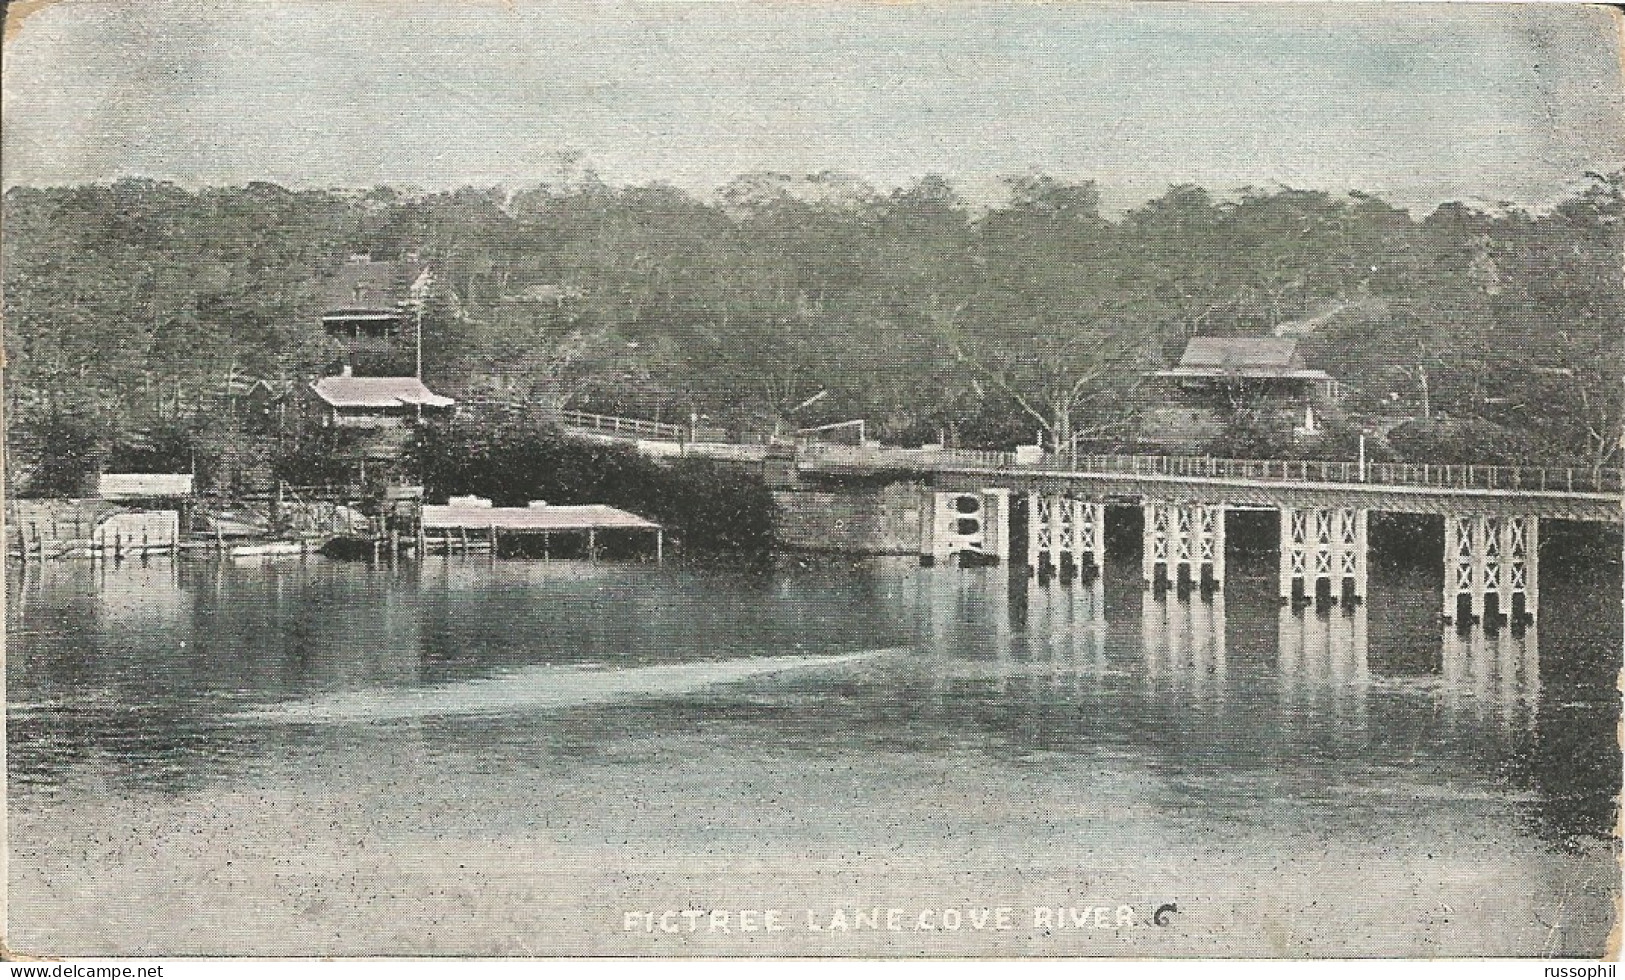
(1061, 531)
(1154, 554)
(971, 522)
(1183, 543)
(1324, 546)
(928, 528)
(1490, 555)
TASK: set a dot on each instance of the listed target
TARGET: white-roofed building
(376, 403)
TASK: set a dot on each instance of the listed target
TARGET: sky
(1418, 103)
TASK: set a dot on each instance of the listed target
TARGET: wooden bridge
(1574, 493)
(1491, 517)
(1491, 513)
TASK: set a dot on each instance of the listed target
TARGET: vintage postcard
(865, 480)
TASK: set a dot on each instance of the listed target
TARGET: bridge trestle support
(1325, 544)
(1491, 556)
(1183, 542)
(967, 523)
(1062, 531)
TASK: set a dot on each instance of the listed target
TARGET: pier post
(1479, 581)
(660, 546)
(1327, 562)
(928, 528)
(1496, 535)
(995, 515)
(1063, 537)
(592, 544)
(1213, 542)
(1183, 555)
(1038, 531)
(1458, 569)
(972, 520)
(1097, 526)
(1063, 529)
(1489, 554)
(1291, 552)
(1155, 545)
(1340, 529)
(1362, 545)
(1530, 555)
(1347, 552)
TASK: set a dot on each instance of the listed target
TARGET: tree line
(135, 311)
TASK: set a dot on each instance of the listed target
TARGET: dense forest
(134, 311)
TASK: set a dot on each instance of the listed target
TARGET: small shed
(155, 507)
(144, 487)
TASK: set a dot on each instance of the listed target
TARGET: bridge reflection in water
(998, 626)
(1493, 673)
(1182, 641)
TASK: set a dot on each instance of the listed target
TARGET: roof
(143, 486)
(1243, 357)
(1242, 352)
(549, 518)
(350, 392)
(365, 286)
(274, 389)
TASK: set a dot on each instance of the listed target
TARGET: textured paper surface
(699, 213)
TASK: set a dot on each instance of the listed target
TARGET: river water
(533, 758)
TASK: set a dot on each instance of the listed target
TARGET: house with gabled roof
(1219, 378)
(370, 309)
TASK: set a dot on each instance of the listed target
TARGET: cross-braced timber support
(1488, 556)
(1183, 542)
(1064, 533)
(1324, 545)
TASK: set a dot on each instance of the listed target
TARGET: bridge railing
(615, 425)
(832, 454)
(1444, 476)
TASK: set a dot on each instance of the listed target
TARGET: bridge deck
(1397, 498)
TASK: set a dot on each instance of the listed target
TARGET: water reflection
(968, 610)
(1064, 624)
(1182, 642)
(1323, 646)
(1493, 673)
(1229, 686)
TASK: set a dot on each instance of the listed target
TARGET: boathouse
(1219, 379)
(471, 523)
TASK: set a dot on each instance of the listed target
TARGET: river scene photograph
(877, 482)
